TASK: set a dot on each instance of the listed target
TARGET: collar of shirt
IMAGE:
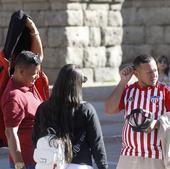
(147, 87)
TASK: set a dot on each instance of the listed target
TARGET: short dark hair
(142, 59)
(26, 58)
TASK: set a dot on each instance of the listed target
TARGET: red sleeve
(13, 114)
(167, 98)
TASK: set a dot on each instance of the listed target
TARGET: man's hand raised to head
(126, 73)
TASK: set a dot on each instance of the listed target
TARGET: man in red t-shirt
(140, 148)
(19, 103)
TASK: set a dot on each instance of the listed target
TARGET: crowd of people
(28, 115)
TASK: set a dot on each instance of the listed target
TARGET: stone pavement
(111, 125)
(3, 158)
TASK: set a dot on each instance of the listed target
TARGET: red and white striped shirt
(154, 99)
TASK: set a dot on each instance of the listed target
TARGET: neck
(142, 84)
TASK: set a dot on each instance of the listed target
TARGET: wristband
(19, 165)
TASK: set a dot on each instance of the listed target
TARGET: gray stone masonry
(99, 35)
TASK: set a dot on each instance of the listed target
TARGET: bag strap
(50, 130)
(77, 146)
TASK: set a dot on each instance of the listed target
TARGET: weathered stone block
(56, 5)
(129, 16)
(167, 34)
(43, 35)
(4, 35)
(52, 74)
(4, 19)
(11, 6)
(131, 51)
(98, 6)
(95, 36)
(56, 18)
(153, 16)
(75, 17)
(106, 74)
(95, 18)
(77, 6)
(112, 36)
(1, 37)
(36, 6)
(119, 1)
(33, 1)
(8, 1)
(53, 58)
(166, 3)
(94, 57)
(38, 18)
(78, 0)
(115, 18)
(161, 50)
(64, 18)
(89, 74)
(101, 0)
(133, 35)
(116, 7)
(57, 57)
(149, 3)
(114, 56)
(57, 37)
(77, 36)
(69, 36)
(154, 35)
(74, 56)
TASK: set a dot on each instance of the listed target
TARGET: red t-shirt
(153, 99)
(19, 105)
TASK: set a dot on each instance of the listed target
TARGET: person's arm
(95, 138)
(112, 103)
(36, 44)
(14, 144)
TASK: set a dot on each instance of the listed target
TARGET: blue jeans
(12, 166)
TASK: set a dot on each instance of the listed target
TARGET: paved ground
(111, 126)
(3, 158)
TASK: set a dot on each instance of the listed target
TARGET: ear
(136, 73)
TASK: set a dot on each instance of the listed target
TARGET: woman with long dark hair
(70, 117)
(163, 70)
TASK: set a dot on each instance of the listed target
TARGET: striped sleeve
(167, 98)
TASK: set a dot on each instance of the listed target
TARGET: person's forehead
(32, 67)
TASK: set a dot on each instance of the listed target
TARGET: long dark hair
(64, 101)
(164, 59)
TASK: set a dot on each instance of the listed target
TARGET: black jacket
(85, 118)
(18, 37)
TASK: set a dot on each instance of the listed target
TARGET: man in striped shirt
(140, 150)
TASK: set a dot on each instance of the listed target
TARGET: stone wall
(96, 34)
